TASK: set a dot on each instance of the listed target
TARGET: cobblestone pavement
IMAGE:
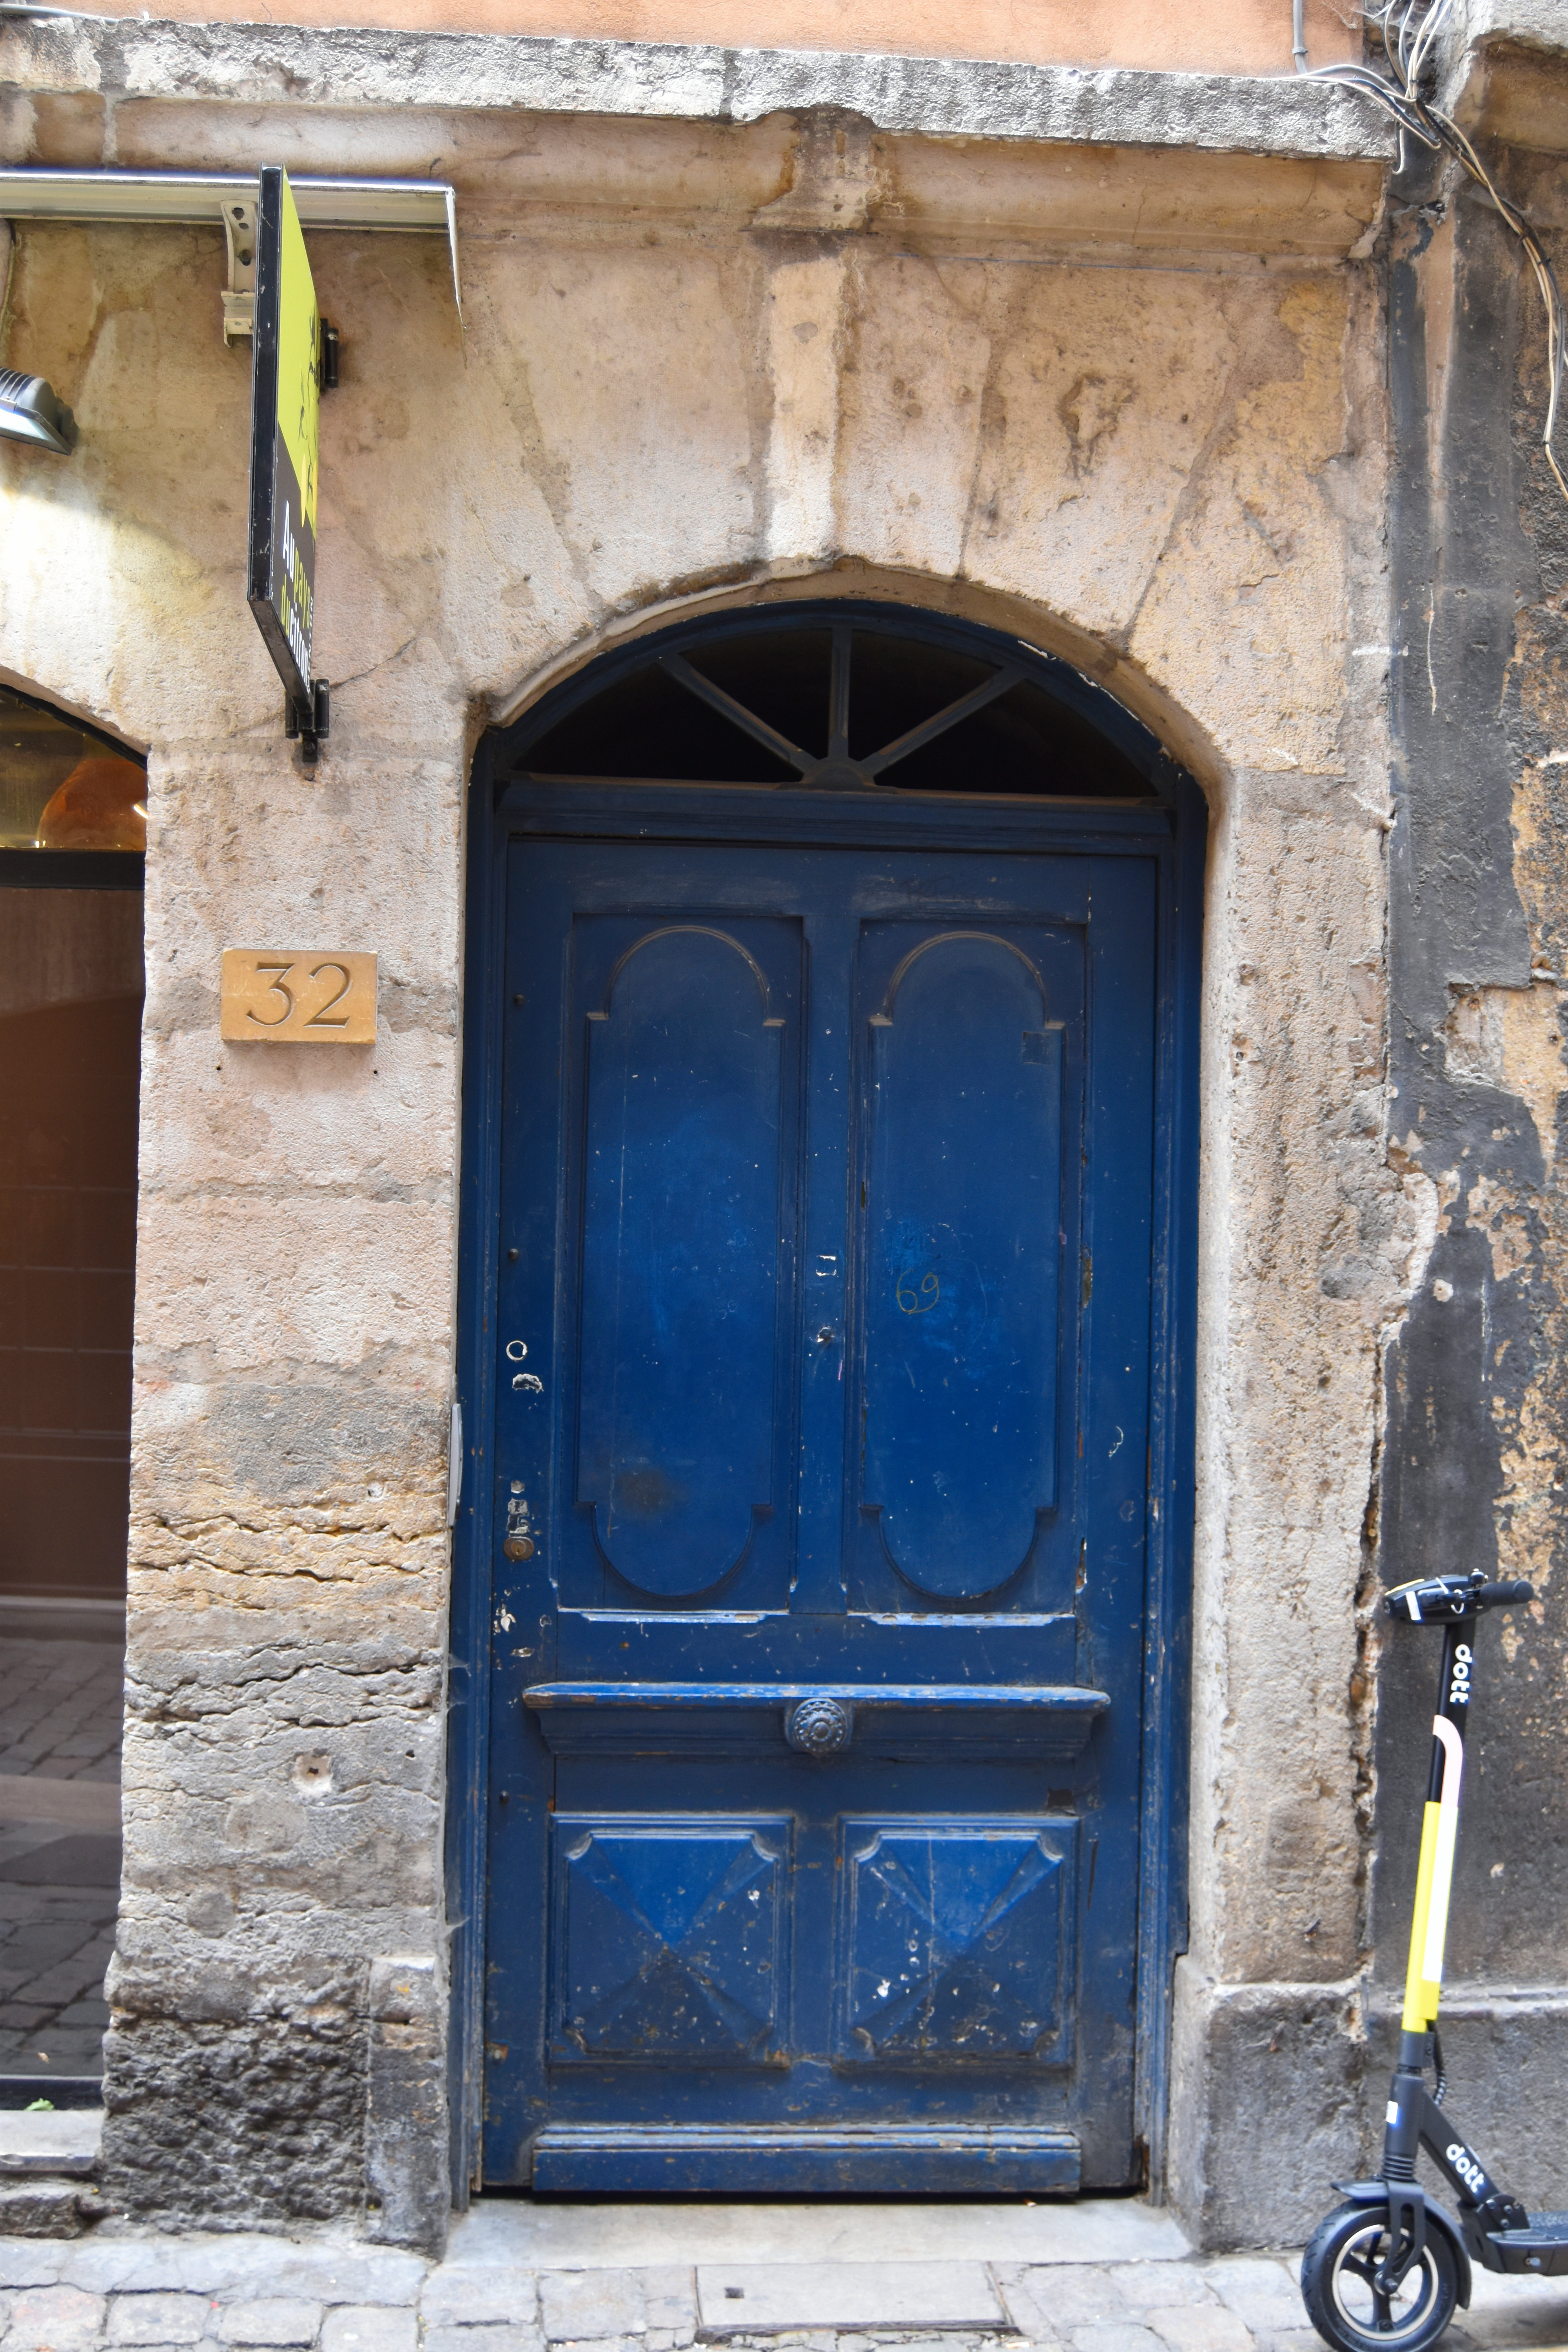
(60, 1708)
(119, 2289)
(60, 1705)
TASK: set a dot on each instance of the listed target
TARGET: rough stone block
(1157, 2287)
(240, 2265)
(483, 2339)
(575, 2304)
(260, 2119)
(669, 2300)
(348, 2274)
(160, 2318)
(405, 2141)
(369, 2327)
(818, 2339)
(1114, 2336)
(605, 2343)
(1049, 2298)
(1267, 2102)
(55, 2319)
(48, 2209)
(498, 2293)
(23, 2263)
(929, 2343)
(273, 2320)
(1201, 2328)
(405, 1989)
(1261, 2294)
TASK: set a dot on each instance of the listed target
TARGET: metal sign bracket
(308, 724)
(239, 294)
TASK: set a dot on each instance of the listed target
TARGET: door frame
(1176, 833)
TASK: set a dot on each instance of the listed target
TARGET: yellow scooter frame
(1386, 2272)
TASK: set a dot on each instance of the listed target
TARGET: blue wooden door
(821, 1336)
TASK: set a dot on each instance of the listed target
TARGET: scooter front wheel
(1344, 2303)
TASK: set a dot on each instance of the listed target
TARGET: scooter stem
(1440, 1830)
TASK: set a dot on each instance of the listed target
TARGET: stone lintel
(975, 174)
(355, 69)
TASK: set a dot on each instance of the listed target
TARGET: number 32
(280, 987)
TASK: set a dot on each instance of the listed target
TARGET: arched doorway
(821, 1533)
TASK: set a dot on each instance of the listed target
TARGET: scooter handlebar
(1447, 1600)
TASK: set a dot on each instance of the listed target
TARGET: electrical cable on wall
(1409, 29)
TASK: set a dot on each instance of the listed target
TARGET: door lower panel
(705, 2159)
(670, 1944)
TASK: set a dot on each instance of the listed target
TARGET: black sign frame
(280, 581)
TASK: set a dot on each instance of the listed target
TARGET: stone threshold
(1101, 2276)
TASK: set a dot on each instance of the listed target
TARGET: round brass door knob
(518, 1547)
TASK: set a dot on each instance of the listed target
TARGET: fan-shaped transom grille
(830, 701)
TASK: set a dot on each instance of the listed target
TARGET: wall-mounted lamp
(32, 410)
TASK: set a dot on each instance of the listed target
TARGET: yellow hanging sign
(285, 453)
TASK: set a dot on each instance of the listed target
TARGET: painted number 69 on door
(298, 996)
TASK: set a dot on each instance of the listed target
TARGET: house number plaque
(298, 996)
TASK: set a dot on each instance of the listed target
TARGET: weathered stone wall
(1126, 401)
(1310, 1243)
(1477, 1425)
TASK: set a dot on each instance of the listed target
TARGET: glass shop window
(72, 832)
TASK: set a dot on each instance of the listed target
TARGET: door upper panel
(688, 1037)
(966, 1209)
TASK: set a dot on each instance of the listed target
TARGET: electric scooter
(1385, 2271)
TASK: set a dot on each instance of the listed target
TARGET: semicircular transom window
(836, 698)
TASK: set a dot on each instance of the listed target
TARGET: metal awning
(228, 199)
